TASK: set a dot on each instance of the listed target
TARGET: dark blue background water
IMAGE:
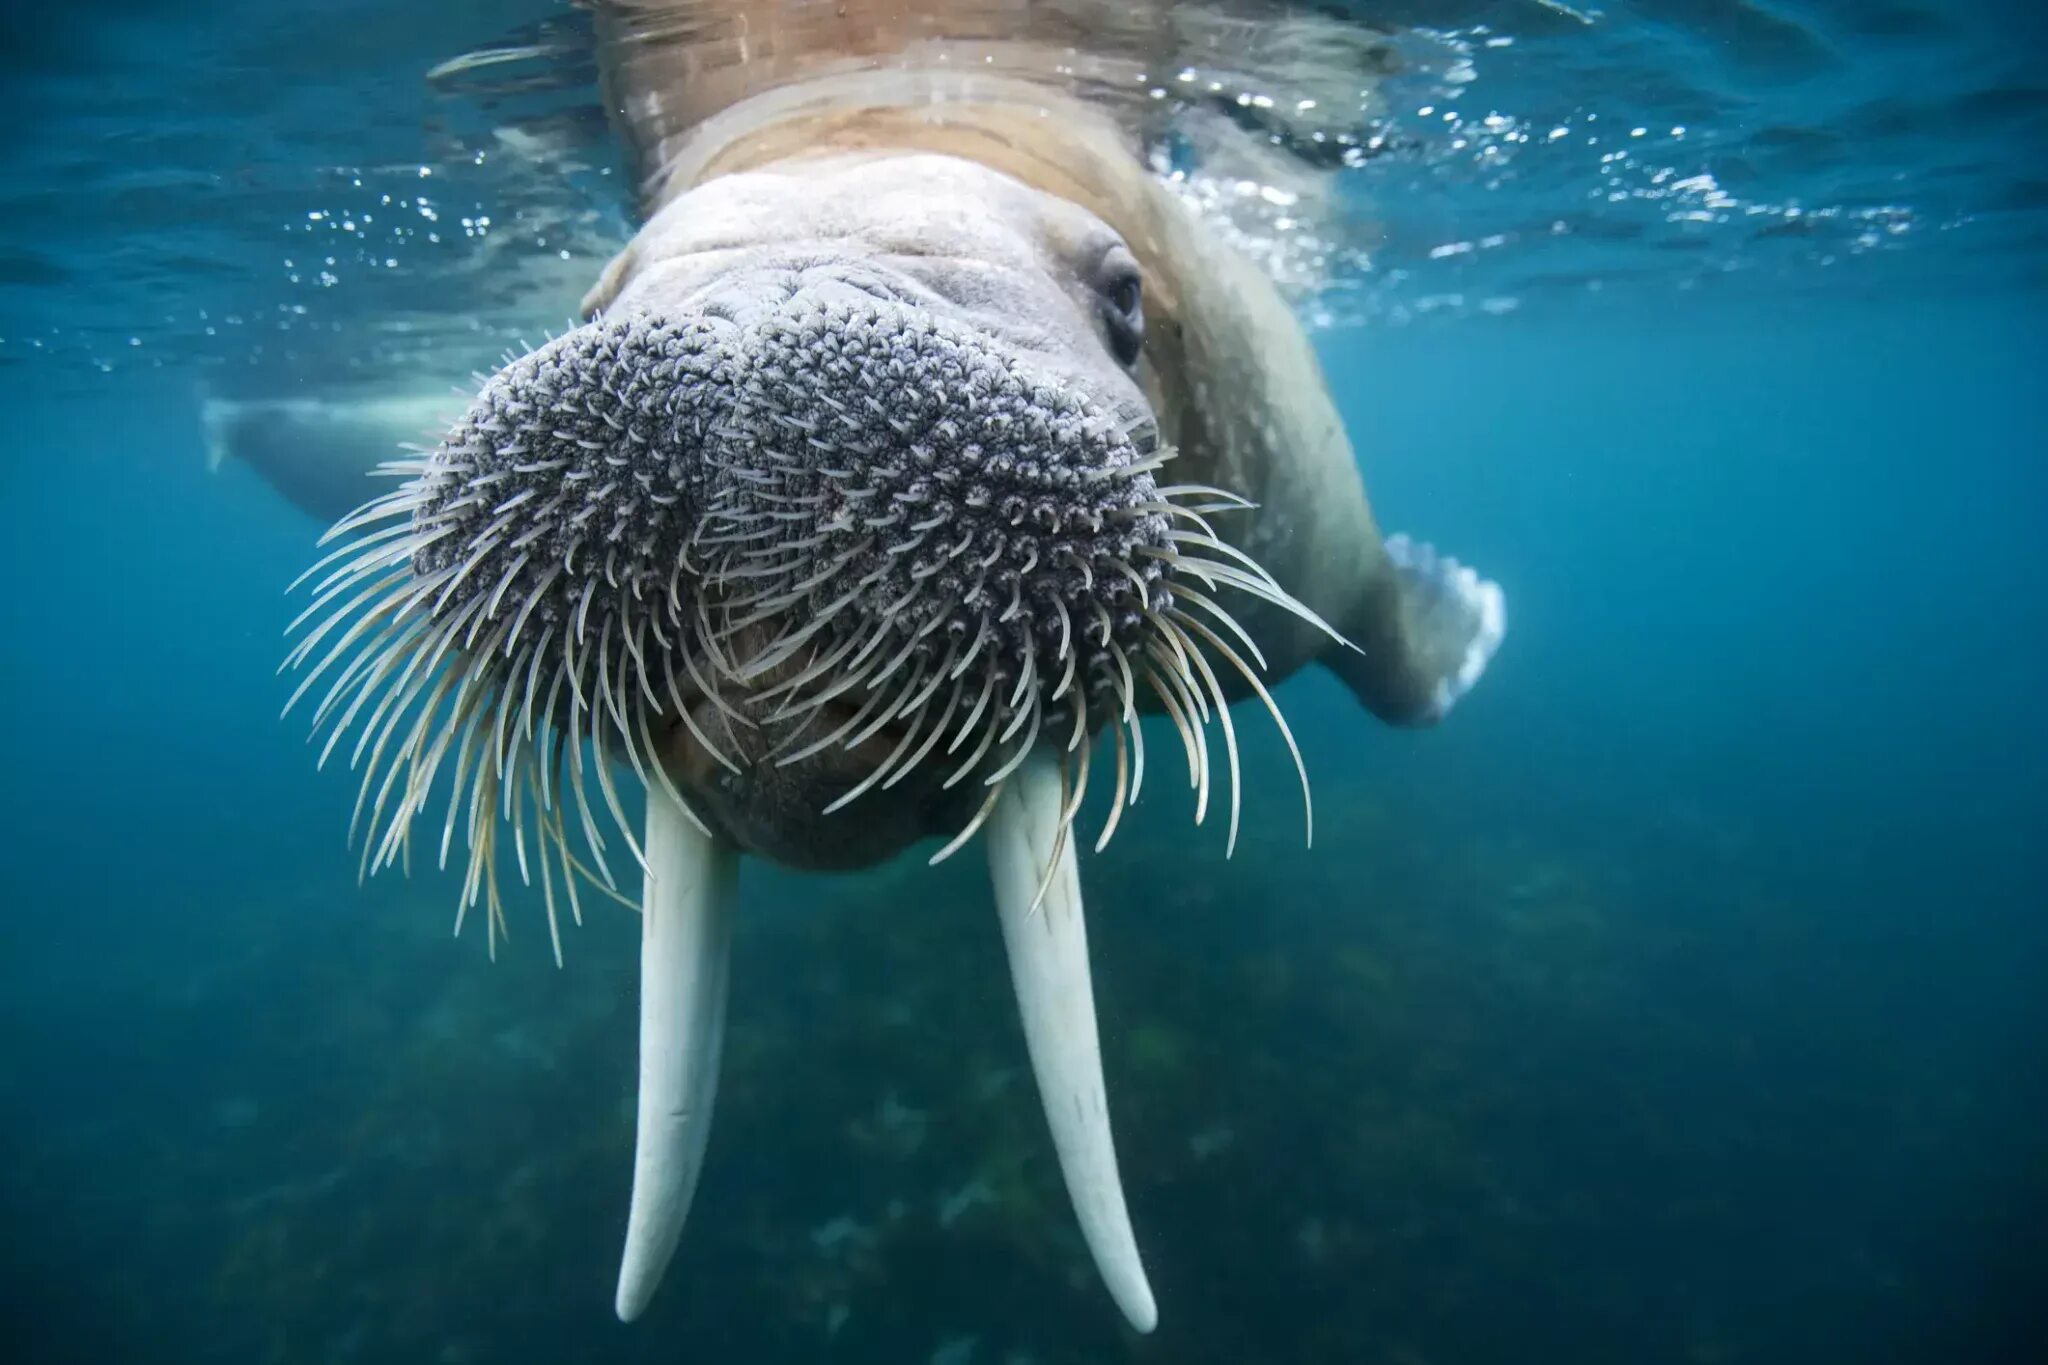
(1681, 1000)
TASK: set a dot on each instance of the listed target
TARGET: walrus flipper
(1423, 635)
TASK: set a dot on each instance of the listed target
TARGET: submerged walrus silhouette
(919, 442)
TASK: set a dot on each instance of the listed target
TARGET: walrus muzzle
(792, 549)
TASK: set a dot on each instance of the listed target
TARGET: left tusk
(1048, 946)
(685, 948)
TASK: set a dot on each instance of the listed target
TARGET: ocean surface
(1683, 999)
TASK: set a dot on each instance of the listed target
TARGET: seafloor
(1506, 1083)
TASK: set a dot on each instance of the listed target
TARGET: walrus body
(917, 411)
(316, 451)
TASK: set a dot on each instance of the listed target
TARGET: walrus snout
(947, 545)
(777, 558)
(785, 555)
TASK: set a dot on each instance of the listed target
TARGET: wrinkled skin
(945, 236)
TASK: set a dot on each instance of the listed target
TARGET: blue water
(1683, 999)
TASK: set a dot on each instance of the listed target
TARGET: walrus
(314, 450)
(919, 445)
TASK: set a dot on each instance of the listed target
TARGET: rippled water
(354, 188)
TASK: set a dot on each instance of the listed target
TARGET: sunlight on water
(1384, 169)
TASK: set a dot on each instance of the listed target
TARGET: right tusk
(685, 948)
(1048, 947)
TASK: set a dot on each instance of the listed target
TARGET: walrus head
(847, 496)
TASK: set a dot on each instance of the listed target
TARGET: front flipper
(1038, 896)
(685, 946)
(1424, 632)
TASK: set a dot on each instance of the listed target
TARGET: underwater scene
(1681, 996)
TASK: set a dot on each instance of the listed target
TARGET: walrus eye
(1123, 311)
(1124, 293)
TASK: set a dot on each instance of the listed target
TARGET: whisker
(1279, 720)
(958, 841)
(1223, 718)
(1123, 779)
(1169, 698)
